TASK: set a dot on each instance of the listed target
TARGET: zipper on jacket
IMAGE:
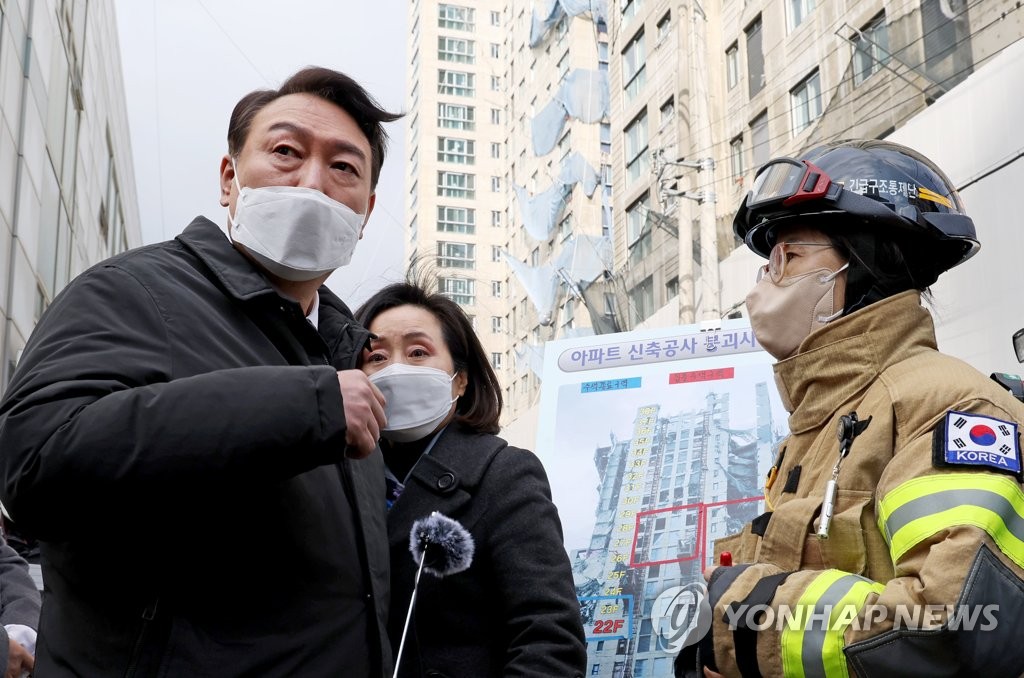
(148, 614)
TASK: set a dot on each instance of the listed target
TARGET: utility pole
(700, 107)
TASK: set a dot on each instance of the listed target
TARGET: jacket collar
(239, 276)
(838, 362)
(236, 274)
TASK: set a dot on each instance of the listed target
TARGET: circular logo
(982, 435)
(681, 616)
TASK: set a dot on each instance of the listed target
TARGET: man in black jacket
(186, 435)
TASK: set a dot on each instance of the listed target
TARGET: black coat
(174, 436)
(514, 612)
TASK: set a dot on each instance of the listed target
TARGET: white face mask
(295, 233)
(418, 400)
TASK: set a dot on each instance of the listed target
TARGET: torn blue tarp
(540, 283)
(584, 94)
(576, 169)
(546, 127)
(585, 257)
(529, 357)
(540, 212)
(547, 13)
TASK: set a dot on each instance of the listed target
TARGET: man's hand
(18, 660)
(364, 413)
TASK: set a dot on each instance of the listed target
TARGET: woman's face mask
(418, 398)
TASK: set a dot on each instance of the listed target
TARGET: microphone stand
(408, 616)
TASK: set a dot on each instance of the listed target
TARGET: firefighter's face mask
(784, 313)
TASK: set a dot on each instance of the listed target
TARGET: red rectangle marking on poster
(700, 375)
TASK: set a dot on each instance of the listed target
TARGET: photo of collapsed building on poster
(656, 443)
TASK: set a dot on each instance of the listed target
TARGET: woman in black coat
(514, 611)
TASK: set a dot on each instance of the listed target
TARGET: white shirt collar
(314, 313)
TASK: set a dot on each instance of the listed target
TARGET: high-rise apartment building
(509, 187)
(67, 187)
(457, 183)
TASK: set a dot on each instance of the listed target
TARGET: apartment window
(456, 255)
(563, 66)
(799, 10)
(455, 17)
(496, 327)
(495, 116)
(496, 289)
(495, 18)
(672, 288)
(755, 58)
(495, 219)
(641, 299)
(630, 9)
(456, 116)
(495, 150)
(805, 99)
(456, 83)
(605, 133)
(602, 56)
(495, 83)
(495, 50)
(459, 151)
(460, 290)
(872, 49)
(668, 111)
(664, 27)
(495, 253)
(565, 227)
(633, 61)
(759, 143)
(638, 234)
(495, 184)
(455, 49)
(732, 65)
(496, 362)
(456, 219)
(564, 145)
(535, 257)
(637, 162)
(456, 185)
(736, 157)
(569, 314)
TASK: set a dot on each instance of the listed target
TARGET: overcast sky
(186, 63)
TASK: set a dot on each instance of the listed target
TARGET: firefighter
(893, 543)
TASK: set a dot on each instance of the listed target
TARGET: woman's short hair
(480, 406)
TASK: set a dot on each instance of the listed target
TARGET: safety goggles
(776, 266)
(786, 182)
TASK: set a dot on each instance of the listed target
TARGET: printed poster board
(656, 443)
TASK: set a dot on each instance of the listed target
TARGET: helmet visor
(785, 181)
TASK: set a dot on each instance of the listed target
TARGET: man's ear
(366, 217)
(227, 180)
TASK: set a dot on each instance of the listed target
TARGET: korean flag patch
(976, 440)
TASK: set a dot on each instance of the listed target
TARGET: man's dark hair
(333, 86)
(480, 406)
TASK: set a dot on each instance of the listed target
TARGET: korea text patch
(964, 439)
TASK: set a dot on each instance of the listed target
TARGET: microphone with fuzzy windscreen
(441, 546)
